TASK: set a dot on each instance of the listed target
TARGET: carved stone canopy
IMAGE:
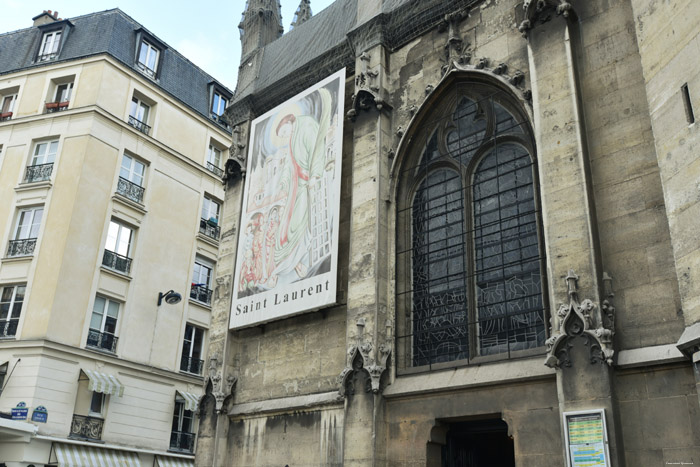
(582, 319)
(236, 164)
(362, 356)
(220, 389)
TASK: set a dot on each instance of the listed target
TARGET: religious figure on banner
(287, 217)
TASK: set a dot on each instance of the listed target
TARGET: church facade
(518, 270)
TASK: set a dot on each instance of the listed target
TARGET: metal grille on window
(468, 249)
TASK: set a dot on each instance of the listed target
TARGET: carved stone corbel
(456, 51)
(236, 164)
(582, 319)
(220, 389)
(362, 356)
(540, 11)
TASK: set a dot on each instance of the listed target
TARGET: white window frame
(24, 230)
(214, 156)
(11, 107)
(44, 153)
(192, 340)
(180, 414)
(5, 322)
(218, 104)
(102, 397)
(121, 229)
(50, 43)
(151, 52)
(201, 264)
(139, 110)
(65, 94)
(207, 208)
(105, 315)
(129, 168)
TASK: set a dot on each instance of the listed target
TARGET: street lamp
(171, 297)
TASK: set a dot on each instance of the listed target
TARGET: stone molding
(309, 402)
(220, 389)
(582, 319)
(362, 356)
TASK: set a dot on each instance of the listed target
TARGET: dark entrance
(482, 443)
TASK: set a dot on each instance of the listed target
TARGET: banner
(287, 255)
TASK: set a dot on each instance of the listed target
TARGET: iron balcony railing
(191, 365)
(116, 261)
(139, 125)
(130, 190)
(56, 106)
(23, 247)
(221, 121)
(209, 229)
(146, 70)
(102, 340)
(181, 441)
(5, 116)
(86, 427)
(45, 57)
(38, 173)
(215, 170)
(201, 294)
(8, 328)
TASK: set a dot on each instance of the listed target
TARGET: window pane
(143, 52)
(124, 241)
(112, 234)
(113, 309)
(96, 402)
(36, 222)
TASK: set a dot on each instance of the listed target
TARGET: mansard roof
(114, 33)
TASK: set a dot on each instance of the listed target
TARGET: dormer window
(50, 43)
(218, 104)
(148, 58)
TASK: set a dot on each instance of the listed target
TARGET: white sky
(204, 31)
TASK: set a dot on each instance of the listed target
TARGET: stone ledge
(286, 404)
(470, 376)
(656, 355)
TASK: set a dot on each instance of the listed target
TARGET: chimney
(46, 17)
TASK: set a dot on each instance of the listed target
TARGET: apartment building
(111, 157)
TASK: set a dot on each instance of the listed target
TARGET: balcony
(209, 228)
(88, 428)
(102, 340)
(116, 262)
(46, 57)
(221, 121)
(191, 365)
(146, 70)
(215, 170)
(22, 247)
(38, 173)
(130, 190)
(8, 328)
(182, 441)
(201, 294)
(56, 106)
(5, 116)
(139, 125)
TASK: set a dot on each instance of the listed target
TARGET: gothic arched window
(469, 263)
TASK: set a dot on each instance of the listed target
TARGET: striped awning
(191, 400)
(165, 461)
(104, 383)
(75, 455)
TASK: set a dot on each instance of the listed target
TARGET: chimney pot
(55, 14)
(49, 12)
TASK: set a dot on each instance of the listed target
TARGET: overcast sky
(204, 31)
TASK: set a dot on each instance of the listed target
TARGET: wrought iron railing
(8, 328)
(220, 120)
(147, 71)
(201, 294)
(116, 261)
(86, 427)
(38, 173)
(209, 229)
(182, 441)
(56, 106)
(23, 247)
(5, 116)
(139, 125)
(102, 340)
(130, 190)
(45, 57)
(214, 169)
(191, 365)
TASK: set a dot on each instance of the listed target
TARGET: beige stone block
(670, 382)
(631, 387)
(608, 50)
(630, 231)
(620, 199)
(666, 423)
(637, 458)
(627, 268)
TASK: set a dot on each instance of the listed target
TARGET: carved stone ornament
(456, 51)
(539, 11)
(220, 389)
(362, 356)
(582, 319)
(236, 163)
(367, 89)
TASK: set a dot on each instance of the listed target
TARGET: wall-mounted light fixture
(171, 297)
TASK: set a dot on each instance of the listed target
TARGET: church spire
(261, 24)
(302, 14)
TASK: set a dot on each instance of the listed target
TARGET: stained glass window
(469, 265)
